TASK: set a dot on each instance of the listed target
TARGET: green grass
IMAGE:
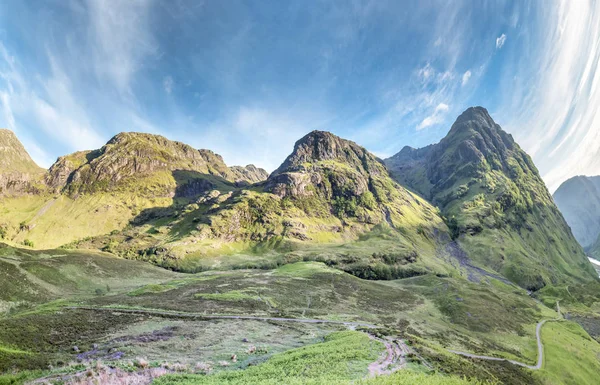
(407, 377)
(29, 278)
(571, 356)
(341, 359)
(234, 295)
(342, 356)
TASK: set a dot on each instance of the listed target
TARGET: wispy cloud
(260, 135)
(465, 78)
(500, 41)
(435, 118)
(121, 39)
(552, 94)
(168, 84)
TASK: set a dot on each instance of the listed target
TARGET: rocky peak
(319, 146)
(328, 166)
(129, 157)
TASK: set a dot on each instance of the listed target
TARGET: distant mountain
(494, 201)
(18, 172)
(579, 201)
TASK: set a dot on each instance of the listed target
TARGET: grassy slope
(342, 357)
(432, 312)
(34, 277)
(572, 357)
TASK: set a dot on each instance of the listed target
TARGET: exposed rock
(18, 172)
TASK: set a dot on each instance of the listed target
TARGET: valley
(148, 261)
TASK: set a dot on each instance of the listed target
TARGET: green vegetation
(571, 355)
(342, 356)
(497, 205)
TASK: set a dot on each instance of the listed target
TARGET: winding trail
(393, 359)
(201, 316)
(540, 345)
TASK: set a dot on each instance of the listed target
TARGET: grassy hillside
(316, 202)
(571, 355)
(101, 191)
(431, 313)
(28, 278)
(495, 203)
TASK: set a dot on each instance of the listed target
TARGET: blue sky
(248, 78)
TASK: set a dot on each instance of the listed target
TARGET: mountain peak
(319, 146)
(477, 113)
(489, 187)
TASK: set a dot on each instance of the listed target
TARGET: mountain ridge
(489, 189)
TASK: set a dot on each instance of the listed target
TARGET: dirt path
(224, 317)
(393, 359)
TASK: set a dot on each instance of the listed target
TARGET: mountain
(100, 191)
(328, 192)
(147, 164)
(495, 202)
(579, 201)
(18, 172)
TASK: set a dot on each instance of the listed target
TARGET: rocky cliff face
(18, 172)
(491, 193)
(579, 201)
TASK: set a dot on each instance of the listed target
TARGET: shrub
(28, 243)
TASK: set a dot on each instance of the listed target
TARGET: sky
(247, 79)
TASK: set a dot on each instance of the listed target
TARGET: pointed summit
(319, 146)
(321, 156)
(489, 189)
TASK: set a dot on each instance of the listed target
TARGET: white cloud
(435, 118)
(121, 39)
(465, 78)
(45, 103)
(168, 84)
(551, 98)
(500, 41)
(426, 73)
